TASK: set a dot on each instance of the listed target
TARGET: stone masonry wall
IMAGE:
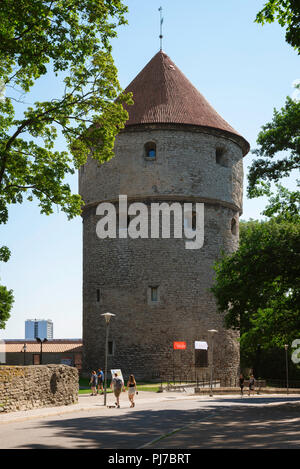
(118, 273)
(29, 387)
(185, 166)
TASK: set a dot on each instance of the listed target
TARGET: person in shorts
(131, 386)
(117, 385)
(93, 383)
(100, 376)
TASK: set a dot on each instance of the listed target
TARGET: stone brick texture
(29, 387)
(185, 170)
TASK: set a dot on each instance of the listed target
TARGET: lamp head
(107, 316)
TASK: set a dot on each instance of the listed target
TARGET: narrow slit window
(111, 347)
(219, 155)
(233, 227)
(154, 294)
(98, 295)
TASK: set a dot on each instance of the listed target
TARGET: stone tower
(174, 148)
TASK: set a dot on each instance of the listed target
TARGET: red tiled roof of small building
(163, 95)
(51, 346)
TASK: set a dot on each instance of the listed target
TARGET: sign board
(119, 374)
(201, 345)
(179, 345)
(66, 361)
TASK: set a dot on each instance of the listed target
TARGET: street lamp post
(107, 317)
(287, 368)
(41, 341)
(212, 332)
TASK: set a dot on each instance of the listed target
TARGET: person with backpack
(117, 385)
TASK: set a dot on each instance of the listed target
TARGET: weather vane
(161, 22)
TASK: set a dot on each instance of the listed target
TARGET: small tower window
(153, 295)
(98, 295)
(111, 347)
(150, 151)
(221, 158)
(233, 227)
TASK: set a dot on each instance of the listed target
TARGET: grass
(84, 387)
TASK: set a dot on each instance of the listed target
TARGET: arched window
(150, 150)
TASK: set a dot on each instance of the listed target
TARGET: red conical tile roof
(163, 95)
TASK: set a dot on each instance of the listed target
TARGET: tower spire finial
(161, 22)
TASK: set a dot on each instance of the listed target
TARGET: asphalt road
(164, 421)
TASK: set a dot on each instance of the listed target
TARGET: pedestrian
(100, 376)
(117, 385)
(241, 383)
(93, 383)
(251, 384)
(131, 386)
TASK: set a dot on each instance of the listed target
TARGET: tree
(284, 204)
(287, 13)
(70, 38)
(6, 296)
(283, 133)
(258, 286)
(280, 135)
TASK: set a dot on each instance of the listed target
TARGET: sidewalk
(86, 402)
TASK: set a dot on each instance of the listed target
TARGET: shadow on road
(254, 399)
(276, 427)
(217, 425)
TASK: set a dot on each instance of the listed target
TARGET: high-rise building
(38, 328)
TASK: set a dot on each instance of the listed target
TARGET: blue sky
(243, 69)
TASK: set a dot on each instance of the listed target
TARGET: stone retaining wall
(29, 387)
